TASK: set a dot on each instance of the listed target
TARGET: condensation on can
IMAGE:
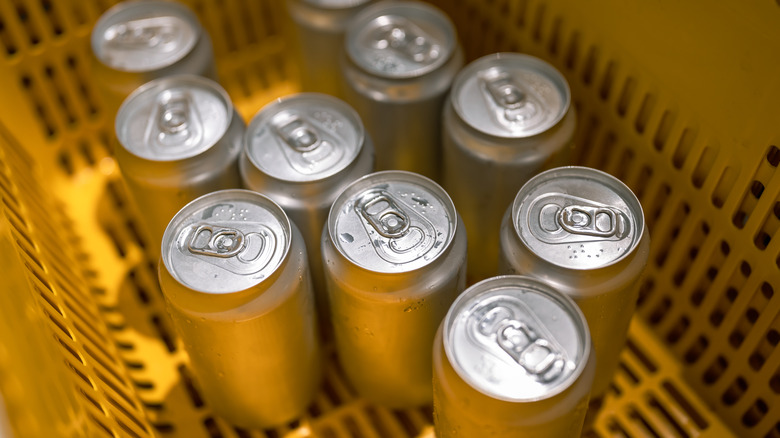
(398, 64)
(394, 250)
(302, 151)
(319, 27)
(583, 232)
(235, 279)
(512, 357)
(179, 138)
(508, 117)
(136, 42)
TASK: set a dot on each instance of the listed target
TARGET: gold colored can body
(600, 273)
(252, 341)
(488, 158)
(385, 314)
(489, 385)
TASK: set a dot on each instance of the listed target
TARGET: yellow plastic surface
(677, 98)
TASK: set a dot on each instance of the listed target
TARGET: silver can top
(516, 339)
(400, 40)
(510, 95)
(578, 218)
(226, 241)
(392, 221)
(144, 36)
(173, 118)
(304, 137)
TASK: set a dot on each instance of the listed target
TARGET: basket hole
(606, 83)
(164, 333)
(752, 315)
(773, 154)
(755, 413)
(405, 422)
(731, 294)
(734, 392)
(736, 339)
(774, 383)
(697, 297)
(376, 422)
(660, 408)
(678, 330)
(767, 290)
(663, 131)
(745, 269)
(725, 248)
(756, 361)
(757, 188)
(212, 428)
(643, 423)
(645, 291)
(661, 311)
(632, 377)
(353, 428)
(189, 385)
(715, 370)
(773, 337)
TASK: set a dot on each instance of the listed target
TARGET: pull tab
(175, 122)
(514, 106)
(387, 218)
(216, 242)
(408, 41)
(160, 33)
(298, 134)
(538, 356)
(589, 221)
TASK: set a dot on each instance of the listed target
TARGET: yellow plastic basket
(677, 98)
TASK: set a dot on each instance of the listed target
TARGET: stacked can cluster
(408, 209)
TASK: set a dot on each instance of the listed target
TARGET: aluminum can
(180, 138)
(302, 151)
(236, 283)
(394, 251)
(319, 28)
(135, 42)
(512, 358)
(508, 117)
(583, 232)
(399, 62)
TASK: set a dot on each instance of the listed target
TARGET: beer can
(137, 41)
(399, 62)
(512, 358)
(236, 283)
(319, 27)
(394, 250)
(180, 138)
(583, 232)
(302, 151)
(508, 116)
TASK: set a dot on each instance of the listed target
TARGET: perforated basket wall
(678, 99)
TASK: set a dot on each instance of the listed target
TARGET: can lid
(304, 137)
(144, 36)
(400, 40)
(226, 241)
(510, 95)
(392, 221)
(578, 218)
(516, 339)
(173, 118)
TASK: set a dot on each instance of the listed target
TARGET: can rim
(329, 6)
(359, 184)
(271, 108)
(553, 74)
(179, 79)
(517, 281)
(385, 8)
(104, 20)
(620, 188)
(194, 205)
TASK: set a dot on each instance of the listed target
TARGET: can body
(302, 151)
(399, 61)
(180, 138)
(136, 42)
(320, 26)
(489, 154)
(583, 232)
(484, 391)
(253, 344)
(388, 294)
